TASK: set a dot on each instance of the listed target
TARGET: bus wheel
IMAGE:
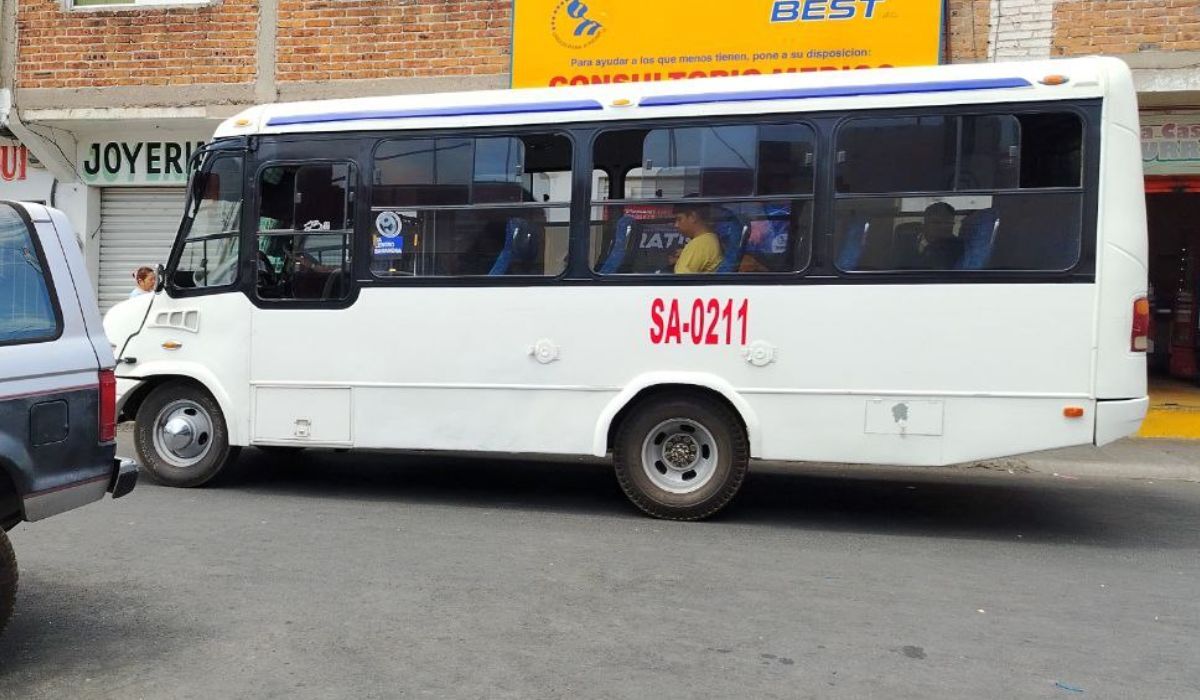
(681, 457)
(181, 435)
(8, 580)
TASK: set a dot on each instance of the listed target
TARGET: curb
(1176, 423)
(1126, 459)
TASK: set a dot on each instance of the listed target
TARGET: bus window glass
(896, 154)
(305, 217)
(704, 161)
(1012, 199)
(990, 153)
(725, 199)
(1051, 150)
(210, 249)
(786, 156)
(498, 171)
(511, 218)
(423, 172)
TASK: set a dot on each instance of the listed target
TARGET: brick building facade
(108, 98)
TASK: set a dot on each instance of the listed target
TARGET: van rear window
(26, 312)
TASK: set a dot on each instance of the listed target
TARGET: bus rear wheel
(181, 435)
(8, 580)
(682, 456)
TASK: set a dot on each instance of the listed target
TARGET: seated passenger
(936, 248)
(702, 252)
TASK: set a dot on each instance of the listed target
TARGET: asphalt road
(342, 575)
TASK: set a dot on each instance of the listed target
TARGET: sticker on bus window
(388, 224)
(388, 241)
(699, 321)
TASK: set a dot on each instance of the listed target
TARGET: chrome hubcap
(679, 455)
(183, 433)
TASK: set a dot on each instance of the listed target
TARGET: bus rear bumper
(1118, 419)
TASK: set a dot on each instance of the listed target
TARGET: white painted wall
(1021, 29)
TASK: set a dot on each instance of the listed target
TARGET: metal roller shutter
(137, 227)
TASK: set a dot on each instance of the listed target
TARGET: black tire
(731, 462)
(8, 580)
(219, 452)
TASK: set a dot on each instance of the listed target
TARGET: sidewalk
(1174, 411)
(1129, 459)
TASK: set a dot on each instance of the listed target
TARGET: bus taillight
(108, 406)
(1139, 339)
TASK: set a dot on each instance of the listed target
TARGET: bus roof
(793, 92)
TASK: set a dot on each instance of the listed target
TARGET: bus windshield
(208, 244)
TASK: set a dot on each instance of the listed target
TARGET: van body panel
(50, 447)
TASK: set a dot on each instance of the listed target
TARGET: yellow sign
(586, 42)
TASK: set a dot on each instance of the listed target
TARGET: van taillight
(108, 406)
(1139, 338)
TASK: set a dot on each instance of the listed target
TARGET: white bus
(918, 266)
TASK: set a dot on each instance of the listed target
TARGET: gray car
(57, 389)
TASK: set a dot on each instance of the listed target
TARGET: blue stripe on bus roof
(837, 91)
(463, 111)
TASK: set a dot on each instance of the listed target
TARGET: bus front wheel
(681, 457)
(181, 435)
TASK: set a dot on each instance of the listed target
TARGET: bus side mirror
(160, 277)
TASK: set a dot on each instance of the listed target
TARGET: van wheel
(8, 580)
(181, 435)
(681, 457)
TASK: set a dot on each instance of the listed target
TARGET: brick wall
(968, 30)
(338, 39)
(1113, 27)
(366, 39)
(60, 48)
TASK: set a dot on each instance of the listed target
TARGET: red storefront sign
(14, 162)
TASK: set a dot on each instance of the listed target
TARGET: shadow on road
(951, 503)
(68, 631)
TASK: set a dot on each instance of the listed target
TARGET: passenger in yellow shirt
(702, 252)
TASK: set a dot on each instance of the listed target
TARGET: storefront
(120, 183)
(21, 176)
(1171, 158)
(141, 185)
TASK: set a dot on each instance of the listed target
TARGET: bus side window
(724, 199)
(471, 206)
(305, 220)
(966, 193)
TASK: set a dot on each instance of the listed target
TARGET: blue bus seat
(733, 233)
(623, 240)
(520, 245)
(978, 236)
(853, 245)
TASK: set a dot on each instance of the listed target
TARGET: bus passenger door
(303, 225)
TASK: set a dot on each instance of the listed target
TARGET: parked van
(57, 389)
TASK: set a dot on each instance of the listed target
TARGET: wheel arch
(152, 377)
(12, 507)
(648, 385)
